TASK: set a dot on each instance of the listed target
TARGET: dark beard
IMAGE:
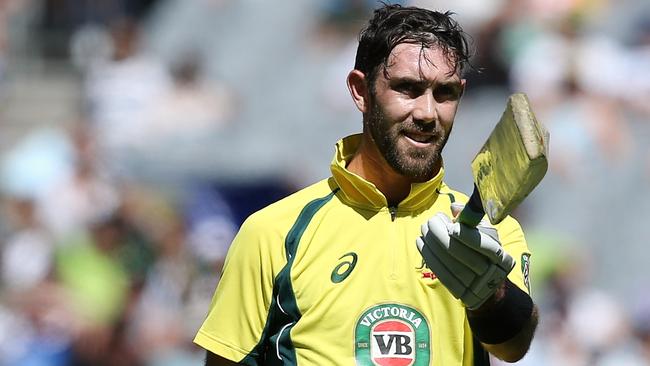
(419, 165)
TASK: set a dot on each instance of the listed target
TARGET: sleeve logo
(343, 269)
(525, 269)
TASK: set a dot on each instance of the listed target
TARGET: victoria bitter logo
(392, 335)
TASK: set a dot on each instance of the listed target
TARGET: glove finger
(440, 224)
(488, 229)
(471, 258)
(487, 284)
(443, 218)
(438, 232)
(446, 277)
(437, 228)
(481, 243)
(424, 229)
(472, 301)
(420, 244)
(436, 248)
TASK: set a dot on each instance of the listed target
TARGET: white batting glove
(469, 261)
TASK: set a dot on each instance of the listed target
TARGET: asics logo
(343, 269)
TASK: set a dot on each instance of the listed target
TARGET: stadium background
(135, 136)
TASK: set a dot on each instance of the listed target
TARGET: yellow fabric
(387, 307)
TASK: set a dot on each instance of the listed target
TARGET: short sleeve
(512, 238)
(239, 308)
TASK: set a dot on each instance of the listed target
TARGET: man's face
(412, 109)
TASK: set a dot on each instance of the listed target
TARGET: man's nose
(425, 108)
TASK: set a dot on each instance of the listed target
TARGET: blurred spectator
(159, 321)
(573, 78)
(189, 116)
(90, 45)
(569, 305)
(122, 92)
(61, 18)
(26, 254)
(99, 286)
(547, 52)
(35, 163)
(35, 312)
(37, 327)
(641, 326)
(334, 37)
(211, 225)
(490, 62)
(81, 198)
(473, 15)
(589, 132)
(343, 16)
(90, 267)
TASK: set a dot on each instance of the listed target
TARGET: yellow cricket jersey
(332, 276)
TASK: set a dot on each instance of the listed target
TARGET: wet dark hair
(395, 24)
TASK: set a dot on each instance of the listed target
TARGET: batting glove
(469, 261)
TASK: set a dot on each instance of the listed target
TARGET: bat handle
(473, 212)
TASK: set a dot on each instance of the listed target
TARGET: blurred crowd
(183, 117)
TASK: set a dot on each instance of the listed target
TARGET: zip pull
(393, 212)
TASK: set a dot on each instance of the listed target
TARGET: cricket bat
(510, 164)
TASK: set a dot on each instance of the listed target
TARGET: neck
(371, 166)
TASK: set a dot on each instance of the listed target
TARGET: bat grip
(473, 212)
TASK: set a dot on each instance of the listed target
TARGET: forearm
(516, 347)
(505, 324)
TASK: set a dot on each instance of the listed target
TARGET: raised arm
(506, 323)
(474, 267)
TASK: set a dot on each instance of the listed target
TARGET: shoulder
(279, 216)
(262, 236)
(511, 228)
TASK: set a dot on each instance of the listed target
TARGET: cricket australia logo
(392, 335)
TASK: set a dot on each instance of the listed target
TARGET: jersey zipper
(394, 229)
(393, 212)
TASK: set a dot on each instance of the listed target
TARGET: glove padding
(469, 261)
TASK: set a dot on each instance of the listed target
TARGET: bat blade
(510, 164)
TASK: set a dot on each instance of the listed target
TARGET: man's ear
(358, 86)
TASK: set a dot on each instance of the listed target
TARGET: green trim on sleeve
(275, 346)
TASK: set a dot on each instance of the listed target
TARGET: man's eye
(445, 93)
(408, 89)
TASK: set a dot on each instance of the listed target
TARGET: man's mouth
(419, 138)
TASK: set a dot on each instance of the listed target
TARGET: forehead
(412, 60)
